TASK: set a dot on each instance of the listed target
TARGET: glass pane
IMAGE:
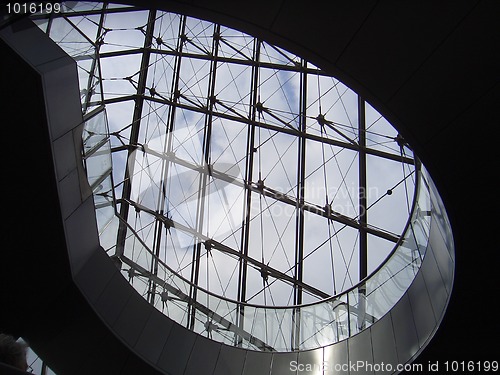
(98, 164)
(95, 132)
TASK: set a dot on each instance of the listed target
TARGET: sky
(173, 163)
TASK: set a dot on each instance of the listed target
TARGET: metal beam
(244, 62)
(96, 66)
(274, 194)
(362, 192)
(363, 214)
(170, 123)
(249, 162)
(299, 211)
(301, 177)
(213, 244)
(285, 130)
(134, 132)
(197, 306)
(202, 183)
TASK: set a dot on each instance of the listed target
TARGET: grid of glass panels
(244, 176)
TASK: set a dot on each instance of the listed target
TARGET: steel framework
(238, 166)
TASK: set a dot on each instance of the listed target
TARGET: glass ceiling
(236, 165)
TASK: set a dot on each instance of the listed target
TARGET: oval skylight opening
(238, 166)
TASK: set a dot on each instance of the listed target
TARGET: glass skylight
(239, 169)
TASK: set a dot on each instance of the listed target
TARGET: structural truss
(245, 180)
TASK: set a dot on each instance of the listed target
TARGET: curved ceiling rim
(246, 30)
(448, 328)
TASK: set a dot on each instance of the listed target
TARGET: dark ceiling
(430, 67)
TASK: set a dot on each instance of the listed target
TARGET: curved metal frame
(423, 304)
(85, 48)
(185, 291)
(307, 326)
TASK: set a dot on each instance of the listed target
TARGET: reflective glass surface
(249, 196)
